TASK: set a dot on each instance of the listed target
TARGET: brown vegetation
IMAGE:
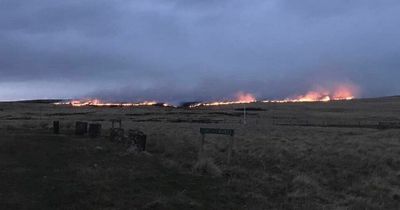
(274, 166)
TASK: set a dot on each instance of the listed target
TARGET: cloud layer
(180, 50)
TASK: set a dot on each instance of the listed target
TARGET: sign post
(56, 127)
(228, 132)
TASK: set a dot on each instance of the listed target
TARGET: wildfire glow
(98, 103)
(241, 98)
(341, 92)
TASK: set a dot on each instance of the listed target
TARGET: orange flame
(341, 92)
(241, 98)
(98, 103)
(345, 93)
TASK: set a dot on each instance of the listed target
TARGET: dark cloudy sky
(179, 50)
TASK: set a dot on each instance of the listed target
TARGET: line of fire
(339, 93)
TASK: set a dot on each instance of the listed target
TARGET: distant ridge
(36, 101)
(383, 98)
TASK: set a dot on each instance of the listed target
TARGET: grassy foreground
(274, 167)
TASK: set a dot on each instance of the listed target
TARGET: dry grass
(206, 166)
(274, 167)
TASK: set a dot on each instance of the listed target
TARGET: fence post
(81, 128)
(94, 130)
(56, 127)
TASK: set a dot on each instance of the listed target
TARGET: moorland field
(325, 155)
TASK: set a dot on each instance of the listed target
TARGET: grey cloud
(327, 9)
(200, 50)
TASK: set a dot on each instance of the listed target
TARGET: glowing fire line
(343, 92)
(241, 98)
(340, 93)
(98, 103)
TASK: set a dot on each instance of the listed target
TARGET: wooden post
(229, 132)
(116, 121)
(56, 127)
(94, 130)
(81, 128)
(141, 143)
